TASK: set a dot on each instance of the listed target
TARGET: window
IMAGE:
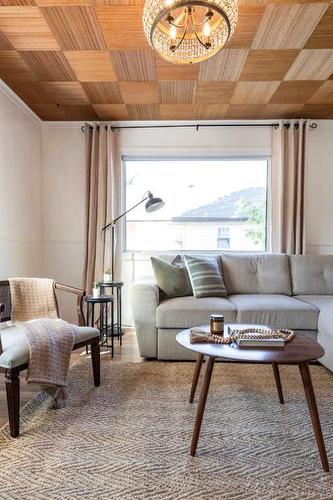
(210, 204)
(223, 237)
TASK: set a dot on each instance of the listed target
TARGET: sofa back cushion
(171, 278)
(256, 273)
(312, 274)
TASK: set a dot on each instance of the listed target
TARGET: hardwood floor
(129, 351)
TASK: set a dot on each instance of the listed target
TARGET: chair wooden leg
(278, 382)
(96, 362)
(13, 400)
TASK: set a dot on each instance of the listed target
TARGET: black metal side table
(106, 330)
(117, 325)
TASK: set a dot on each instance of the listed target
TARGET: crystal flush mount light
(189, 31)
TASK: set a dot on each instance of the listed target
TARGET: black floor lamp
(152, 205)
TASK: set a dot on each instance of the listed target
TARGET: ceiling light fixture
(189, 31)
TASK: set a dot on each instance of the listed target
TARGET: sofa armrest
(144, 301)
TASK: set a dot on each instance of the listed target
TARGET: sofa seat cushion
(276, 310)
(185, 312)
(16, 349)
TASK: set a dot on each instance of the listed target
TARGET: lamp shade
(153, 204)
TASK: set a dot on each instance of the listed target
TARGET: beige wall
(63, 207)
(20, 189)
(320, 189)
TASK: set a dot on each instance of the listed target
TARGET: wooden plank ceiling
(88, 59)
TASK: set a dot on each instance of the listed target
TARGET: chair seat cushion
(185, 312)
(16, 349)
(276, 310)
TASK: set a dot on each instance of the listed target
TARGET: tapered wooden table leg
(278, 381)
(196, 375)
(311, 399)
(202, 403)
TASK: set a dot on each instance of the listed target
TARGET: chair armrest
(144, 301)
(79, 303)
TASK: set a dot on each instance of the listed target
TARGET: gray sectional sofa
(287, 291)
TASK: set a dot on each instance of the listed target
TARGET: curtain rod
(312, 125)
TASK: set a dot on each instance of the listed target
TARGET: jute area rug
(130, 438)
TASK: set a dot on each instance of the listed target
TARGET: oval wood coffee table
(300, 351)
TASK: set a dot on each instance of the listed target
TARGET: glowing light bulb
(173, 32)
(206, 29)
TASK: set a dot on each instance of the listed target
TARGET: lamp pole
(146, 196)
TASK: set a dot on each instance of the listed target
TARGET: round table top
(98, 300)
(302, 348)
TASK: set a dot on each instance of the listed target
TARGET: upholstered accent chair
(14, 350)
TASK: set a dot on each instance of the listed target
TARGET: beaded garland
(247, 333)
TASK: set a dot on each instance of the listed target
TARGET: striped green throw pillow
(205, 277)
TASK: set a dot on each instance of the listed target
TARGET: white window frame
(269, 201)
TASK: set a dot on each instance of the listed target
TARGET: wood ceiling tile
(102, 92)
(62, 3)
(264, 65)
(169, 71)
(311, 64)
(119, 34)
(254, 92)
(111, 111)
(180, 112)
(278, 111)
(30, 92)
(177, 92)
(322, 36)
(13, 67)
(9, 3)
(4, 43)
(134, 65)
(50, 112)
(75, 27)
(214, 92)
(226, 65)
(139, 92)
(210, 111)
(316, 111)
(118, 3)
(49, 65)
(144, 112)
(323, 95)
(26, 29)
(249, 17)
(65, 92)
(91, 65)
(288, 26)
(295, 92)
(56, 112)
(80, 112)
(244, 111)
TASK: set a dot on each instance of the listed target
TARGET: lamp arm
(112, 223)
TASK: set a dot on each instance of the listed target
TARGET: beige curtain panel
(102, 199)
(289, 156)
